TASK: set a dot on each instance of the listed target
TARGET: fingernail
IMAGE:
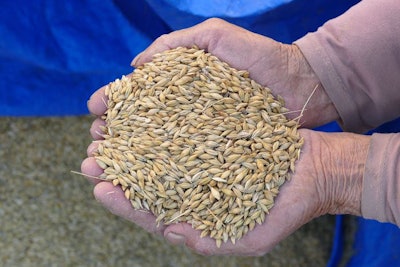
(135, 60)
(176, 239)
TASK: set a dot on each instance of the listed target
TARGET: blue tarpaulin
(55, 54)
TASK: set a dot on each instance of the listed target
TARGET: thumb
(184, 234)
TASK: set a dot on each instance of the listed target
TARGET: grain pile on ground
(194, 140)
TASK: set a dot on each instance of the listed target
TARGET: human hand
(281, 67)
(328, 179)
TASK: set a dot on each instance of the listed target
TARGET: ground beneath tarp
(49, 216)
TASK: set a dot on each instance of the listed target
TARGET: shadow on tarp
(55, 54)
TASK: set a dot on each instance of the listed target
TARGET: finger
(90, 168)
(97, 104)
(95, 129)
(92, 148)
(113, 198)
(184, 234)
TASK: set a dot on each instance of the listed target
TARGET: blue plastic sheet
(282, 20)
(55, 54)
(375, 245)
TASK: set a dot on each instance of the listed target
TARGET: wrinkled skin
(328, 176)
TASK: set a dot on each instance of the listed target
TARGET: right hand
(327, 180)
(281, 67)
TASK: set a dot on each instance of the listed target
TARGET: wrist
(339, 160)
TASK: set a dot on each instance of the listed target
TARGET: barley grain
(193, 140)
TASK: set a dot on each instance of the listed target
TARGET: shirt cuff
(380, 199)
(321, 63)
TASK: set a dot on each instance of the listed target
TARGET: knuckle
(214, 23)
(162, 38)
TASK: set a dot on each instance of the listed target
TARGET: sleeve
(357, 59)
(380, 199)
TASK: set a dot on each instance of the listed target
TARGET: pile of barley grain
(194, 140)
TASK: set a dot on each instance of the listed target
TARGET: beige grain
(193, 140)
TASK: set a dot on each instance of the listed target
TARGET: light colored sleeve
(380, 199)
(357, 59)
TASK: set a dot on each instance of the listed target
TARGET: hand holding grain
(314, 187)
